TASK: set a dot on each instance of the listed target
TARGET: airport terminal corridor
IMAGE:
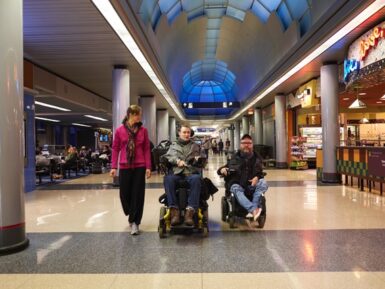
(314, 237)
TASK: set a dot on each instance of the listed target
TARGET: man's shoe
(134, 229)
(188, 218)
(256, 213)
(175, 220)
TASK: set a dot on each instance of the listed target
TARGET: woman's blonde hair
(134, 109)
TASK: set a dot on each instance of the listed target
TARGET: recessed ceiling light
(79, 124)
(47, 119)
(378, 101)
(51, 106)
(346, 98)
(362, 93)
(95, 117)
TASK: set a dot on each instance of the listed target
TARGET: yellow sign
(307, 93)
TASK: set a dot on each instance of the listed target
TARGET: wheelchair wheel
(261, 221)
(232, 221)
(225, 208)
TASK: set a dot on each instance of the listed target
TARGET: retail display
(298, 161)
(313, 141)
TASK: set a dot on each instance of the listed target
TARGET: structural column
(120, 99)
(162, 125)
(330, 126)
(231, 138)
(12, 220)
(172, 130)
(237, 134)
(245, 125)
(148, 104)
(280, 131)
(258, 126)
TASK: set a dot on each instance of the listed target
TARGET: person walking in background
(131, 146)
(220, 147)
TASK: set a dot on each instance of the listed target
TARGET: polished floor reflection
(314, 237)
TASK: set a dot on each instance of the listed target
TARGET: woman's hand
(113, 173)
(148, 173)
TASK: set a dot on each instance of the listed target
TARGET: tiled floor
(314, 237)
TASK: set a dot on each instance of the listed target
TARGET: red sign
(371, 42)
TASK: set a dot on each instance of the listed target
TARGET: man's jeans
(239, 193)
(195, 189)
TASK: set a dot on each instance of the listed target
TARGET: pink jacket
(142, 149)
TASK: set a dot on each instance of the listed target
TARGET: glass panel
(260, 12)
(284, 15)
(271, 5)
(189, 5)
(305, 23)
(166, 5)
(174, 12)
(297, 7)
(241, 4)
(235, 13)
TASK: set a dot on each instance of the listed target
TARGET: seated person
(185, 159)
(243, 174)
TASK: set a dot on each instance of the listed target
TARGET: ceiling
(71, 39)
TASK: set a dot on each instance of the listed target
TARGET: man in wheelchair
(185, 160)
(244, 177)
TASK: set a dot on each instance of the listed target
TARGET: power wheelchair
(182, 190)
(231, 209)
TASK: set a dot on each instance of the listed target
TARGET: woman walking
(132, 147)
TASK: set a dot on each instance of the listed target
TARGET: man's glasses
(246, 143)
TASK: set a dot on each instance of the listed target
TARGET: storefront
(362, 104)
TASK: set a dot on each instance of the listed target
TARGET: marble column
(280, 131)
(12, 207)
(172, 130)
(148, 104)
(245, 125)
(330, 125)
(258, 126)
(162, 126)
(120, 100)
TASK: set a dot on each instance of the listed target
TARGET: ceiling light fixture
(95, 117)
(47, 119)
(109, 13)
(225, 104)
(79, 124)
(51, 106)
(346, 98)
(362, 93)
(383, 97)
(357, 103)
(355, 22)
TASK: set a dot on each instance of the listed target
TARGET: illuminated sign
(350, 65)
(371, 41)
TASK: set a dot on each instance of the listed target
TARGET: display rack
(298, 162)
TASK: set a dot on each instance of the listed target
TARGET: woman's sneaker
(134, 229)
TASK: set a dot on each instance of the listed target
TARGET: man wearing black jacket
(244, 175)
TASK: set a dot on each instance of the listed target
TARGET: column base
(331, 178)
(281, 165)
(14, 248)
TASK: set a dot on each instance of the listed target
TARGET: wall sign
(350, 66)
(371, 42)
(376, 162)
(367, 49)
